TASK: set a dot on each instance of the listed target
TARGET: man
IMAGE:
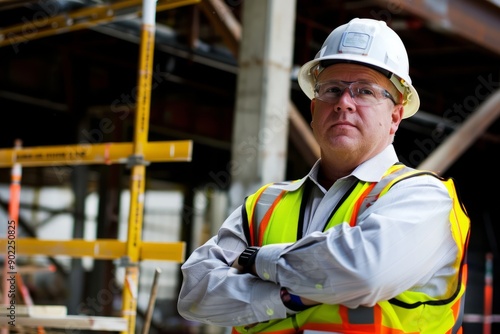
(362, 244)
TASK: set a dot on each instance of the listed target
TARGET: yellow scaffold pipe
(101, 153)
(130, 287)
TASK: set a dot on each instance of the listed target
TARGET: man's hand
(236, 265)
(295, 302)
(241, 269)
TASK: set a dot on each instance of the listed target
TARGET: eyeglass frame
(347, 85)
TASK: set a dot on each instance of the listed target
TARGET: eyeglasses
(362, 93)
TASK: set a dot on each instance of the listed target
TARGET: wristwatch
(247, 258)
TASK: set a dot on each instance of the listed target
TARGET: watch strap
(247, 258)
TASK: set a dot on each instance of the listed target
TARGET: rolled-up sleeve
(215, 293)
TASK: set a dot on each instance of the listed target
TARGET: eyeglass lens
(362, 93)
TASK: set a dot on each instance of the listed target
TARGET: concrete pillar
(260, 132)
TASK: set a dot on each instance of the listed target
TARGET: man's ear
(397, 117)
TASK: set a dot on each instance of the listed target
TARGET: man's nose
(347, 94)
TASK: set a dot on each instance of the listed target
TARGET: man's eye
(366, 91)
(333, 90)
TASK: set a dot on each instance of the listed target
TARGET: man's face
(346, 128)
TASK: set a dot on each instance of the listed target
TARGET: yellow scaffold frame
(136, 154)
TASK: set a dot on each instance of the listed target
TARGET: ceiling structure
(71, 61)
(67, 65)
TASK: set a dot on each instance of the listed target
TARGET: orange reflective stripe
(352, 322)
(465, 273)
(267, 217)
(357, 205)
(343, 313)
(374, 191)
(387, 330)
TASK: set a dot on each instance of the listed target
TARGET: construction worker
(361, 244)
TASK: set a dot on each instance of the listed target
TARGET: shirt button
(319, 286)
(266, 276)
(270, 311)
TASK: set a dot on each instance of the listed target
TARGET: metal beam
(479, 23)
(476, 21)
(224, 23)
(101, 249)
(104, 153)
(460, 140)
(302, 137)
(79, 19)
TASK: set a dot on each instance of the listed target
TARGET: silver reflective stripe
(361, 316)
(458, 322)
(265, 201)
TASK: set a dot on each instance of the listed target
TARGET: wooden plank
(35, 310)
(24, 269)
(69, 322)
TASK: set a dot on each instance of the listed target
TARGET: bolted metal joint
(136, 160)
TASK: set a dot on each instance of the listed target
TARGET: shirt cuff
(266, 302)
(266, 262)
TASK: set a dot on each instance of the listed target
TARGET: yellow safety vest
(272, 216)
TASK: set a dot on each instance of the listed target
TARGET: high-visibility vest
(272, 215)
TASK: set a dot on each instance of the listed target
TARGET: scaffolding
(136, 155)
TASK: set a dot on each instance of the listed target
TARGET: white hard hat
(367, 42)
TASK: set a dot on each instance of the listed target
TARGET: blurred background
(223, 79)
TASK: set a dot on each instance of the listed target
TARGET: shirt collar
(371, 170)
